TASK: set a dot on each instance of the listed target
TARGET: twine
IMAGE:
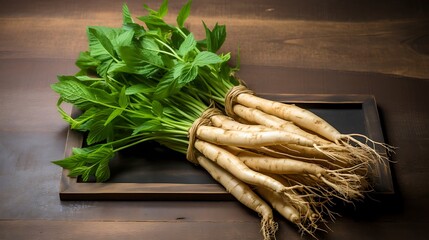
(203, 120)
(231, 98)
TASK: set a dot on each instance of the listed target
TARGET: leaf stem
(171, 50)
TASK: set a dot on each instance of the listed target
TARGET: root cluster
(301, 182)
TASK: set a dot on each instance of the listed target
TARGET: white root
(332, 158)
(259, 117)
(237, 168)
(346, 183)
(243, 194)
(297, 161)
(297, 115)
(343, 147)
(281, 206)
(307, 202)
(376, 153)
(227, 123)
(249, 139)
(271, 151)
(277, 114)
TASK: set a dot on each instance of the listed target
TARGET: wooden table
(379, 48)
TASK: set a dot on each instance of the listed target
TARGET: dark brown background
(325, 47)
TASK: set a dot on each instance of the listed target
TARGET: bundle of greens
(158, 83)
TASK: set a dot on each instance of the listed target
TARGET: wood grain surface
(384, 37)
(378, 48)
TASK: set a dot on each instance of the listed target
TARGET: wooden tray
(152, 172)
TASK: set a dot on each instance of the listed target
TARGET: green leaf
(157, 108)
(183, 14)
(176, 37)
(63, 78)
(70, 162)
(85, 150)
(144, 113)
(99, 132)
(104, 155)
(123, 39)
(167, 61)
(155, 23)
(162, 11)
(85, 61)
(175, 79)
(167, 86)
(187, 45)
(126, 15)
(103, 172)
(138, 30)
(63, 113)
(188, 72)
(218, 37)
(88, 78)
(123, 98)
(80, 171)
(205, 58)
(113, 115)
(99, 42)
(138, 88)
(80, 95)
(103, 68)
(178, 69)
(79, 123)
(91, 121)
(215, 38)
(115, 68)
(148, 43)
(147, 126)
(84, 161)
(141, 62)
(101, 153)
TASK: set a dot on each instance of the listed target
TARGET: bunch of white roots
(271, 155)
